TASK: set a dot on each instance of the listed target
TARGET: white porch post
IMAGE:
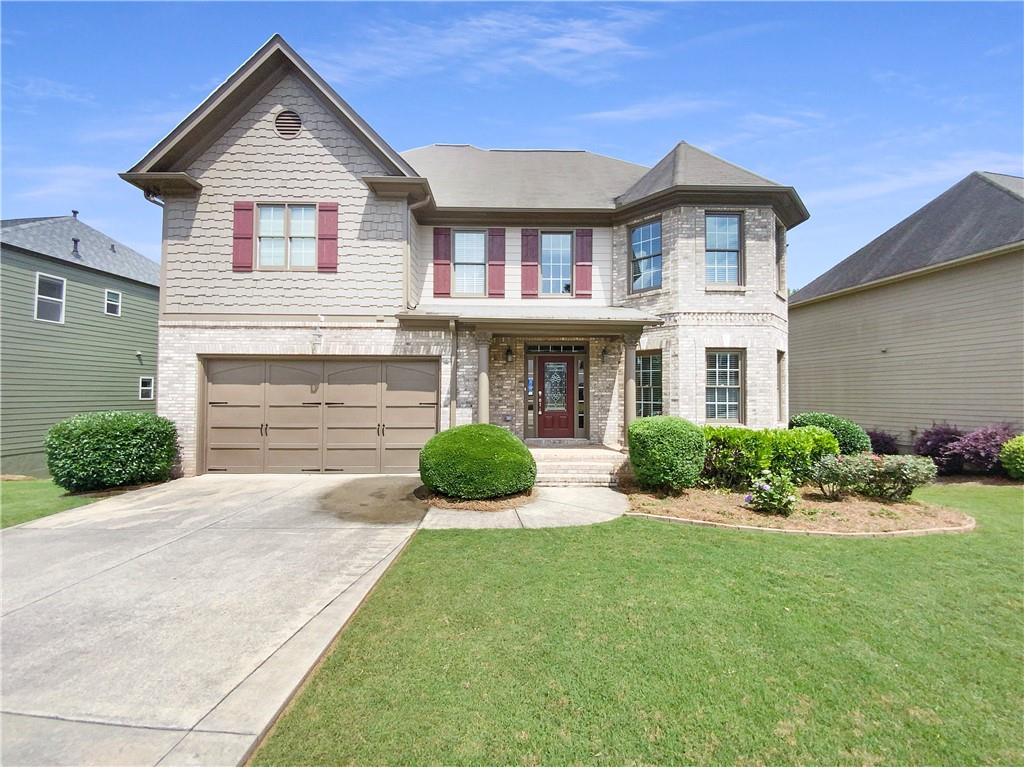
(629, 395)
(483, 392)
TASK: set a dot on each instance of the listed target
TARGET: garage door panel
(351, 459)
(234, 415)
(410, 413)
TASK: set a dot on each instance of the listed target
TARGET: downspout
(151, 197)
(453, 385)
(407, 271)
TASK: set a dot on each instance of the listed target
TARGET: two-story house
(78, 329)
(329, 303)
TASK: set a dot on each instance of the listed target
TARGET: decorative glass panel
(722, 248)
(556, 263)
(648, 384)
(645, 251)
(722, 398)
(555, 375)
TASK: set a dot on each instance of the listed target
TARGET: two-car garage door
(359, 416)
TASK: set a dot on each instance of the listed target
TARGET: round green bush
(666, 452)
(477, 461)
(1011, 456)
(93, 451)
(852, 438)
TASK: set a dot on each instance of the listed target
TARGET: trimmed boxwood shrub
(93, 451)
(666, 452)
(1011, 456)
(737, 456)
(852, 438)
(477, 461)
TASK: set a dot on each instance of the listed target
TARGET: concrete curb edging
(820, 533)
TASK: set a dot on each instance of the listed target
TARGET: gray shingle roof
(982, 212)
(687, 165)
(52, 236)
(464, 176)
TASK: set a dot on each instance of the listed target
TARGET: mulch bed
(488, 504)
(813, 512)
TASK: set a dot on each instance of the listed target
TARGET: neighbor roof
(465, 176)
(982, 212)
(52, 236)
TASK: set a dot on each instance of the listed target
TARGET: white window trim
(107, 301)
(742, 387)
(151, 387)
(572, 263)
(63, 299)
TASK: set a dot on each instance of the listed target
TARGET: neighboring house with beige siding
(926, 323)
(329, 303)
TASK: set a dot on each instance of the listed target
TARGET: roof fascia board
(924, 270)
(785, 200)
(86, 267)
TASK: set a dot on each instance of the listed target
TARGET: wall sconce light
(508, 354)
(604, 354)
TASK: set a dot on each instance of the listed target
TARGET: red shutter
(496, 263)
(442, 261)
(327, 237)
(242, 249)
(584, 262)
(530, 263)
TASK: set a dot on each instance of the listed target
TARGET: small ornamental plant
(883, 443)
(933, 442)
(1011, 456)
(839, 475)
(979, 450)
(772, 493)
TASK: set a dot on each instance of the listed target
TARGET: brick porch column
(483, 381)
(629, 395)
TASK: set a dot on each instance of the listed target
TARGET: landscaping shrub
(891, 477)
(477, 461)
(772, 493)
(93, 451)
(932, 443)
(851, 437)
(1011, 456)
(979, 450)
(736, 456)
(839, 475)
(666, 452)
(883, 443)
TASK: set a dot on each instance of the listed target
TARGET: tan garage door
(354, 416)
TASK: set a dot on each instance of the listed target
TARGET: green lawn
(27, 499)
(647, 643)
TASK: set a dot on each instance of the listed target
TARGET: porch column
(629, 395)
(483, 391)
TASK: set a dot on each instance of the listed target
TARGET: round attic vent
(287, 124)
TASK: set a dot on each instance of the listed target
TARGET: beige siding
(946, 346)
(325, 162)
(423, 273)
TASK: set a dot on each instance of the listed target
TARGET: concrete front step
(578, 465)
(578, 480)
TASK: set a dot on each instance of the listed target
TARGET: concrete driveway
(168, 626)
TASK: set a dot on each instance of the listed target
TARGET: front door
(555, 401)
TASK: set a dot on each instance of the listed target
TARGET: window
(112, 303)
(645, 255)
(780, 374)
(722, 248)
(49, 298)
(556, 263)
(287, 237)
(780, 258)
(470, 263)
(146, 387)
(648, 383)
(724, 391)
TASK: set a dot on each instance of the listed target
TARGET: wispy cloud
(656, 109)
(580, 48)
(753, 127)
(729, 34)
(880, 182)
(45, 89)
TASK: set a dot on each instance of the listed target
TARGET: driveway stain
(376, 500)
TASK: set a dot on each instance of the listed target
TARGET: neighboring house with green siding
(78, 331)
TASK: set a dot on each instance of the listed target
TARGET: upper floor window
(286, 237)
(780, 258)
(648, 383)
(112, 303)
(723, 397)
(556, 263)
(645, 255)
(50, 298)
(722, 248)
(469, 262)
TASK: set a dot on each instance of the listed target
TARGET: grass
(26, 499)
(647, 643)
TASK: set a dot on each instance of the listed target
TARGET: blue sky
(869, 110)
